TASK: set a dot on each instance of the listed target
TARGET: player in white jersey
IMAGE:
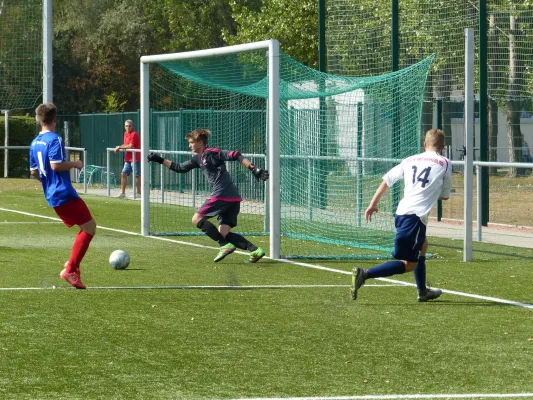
(427, 178)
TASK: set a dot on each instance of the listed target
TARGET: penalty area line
(320, 267)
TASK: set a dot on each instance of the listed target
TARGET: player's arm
(173, 166)
(446, 190)
(66, 165)
(259, 173)
(56, 156)
(389, 179)
(34, 167)
(35, 174)
(373, 207)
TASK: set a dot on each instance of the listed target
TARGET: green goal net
(338, 136)
(20, 53)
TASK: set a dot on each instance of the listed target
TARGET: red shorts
(74, 212)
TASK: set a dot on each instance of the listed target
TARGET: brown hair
(199, 135)
(435, 139)
(46, 113)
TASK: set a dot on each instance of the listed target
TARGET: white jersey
(427, 177)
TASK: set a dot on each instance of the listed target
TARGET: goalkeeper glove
(259, 173)
(156, 158)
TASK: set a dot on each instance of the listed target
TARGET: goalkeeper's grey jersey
(427, 176)
(212, 163)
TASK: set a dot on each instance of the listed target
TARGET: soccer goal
(325, 139)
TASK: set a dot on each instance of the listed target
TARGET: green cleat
(255, 256)
(225, 250)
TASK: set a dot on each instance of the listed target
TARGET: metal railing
(80, 149)
(110, 150)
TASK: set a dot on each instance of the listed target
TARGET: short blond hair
(199, 135)
(435, 139)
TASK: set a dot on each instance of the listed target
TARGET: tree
(98, 44)
(294, 24)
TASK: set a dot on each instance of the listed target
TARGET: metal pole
(479, 201)
(359, 169)
(322, 35)
(193, 189)
(395, 37)
(309, 190)
(85, 171)
(145, 143)
(67, 136)
(108, 172)
(483, 111)
(469, 139)
(48, 80)
(396, 117)
(162, 178)
(438, 107)
(6, 143)
(134, 154)
(274, 149)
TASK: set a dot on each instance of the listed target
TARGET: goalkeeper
(225, 200)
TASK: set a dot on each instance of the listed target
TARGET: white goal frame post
(273, 121)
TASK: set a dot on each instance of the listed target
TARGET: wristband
(251, 167)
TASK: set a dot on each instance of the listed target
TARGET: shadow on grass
(521, 253)
(446, 303)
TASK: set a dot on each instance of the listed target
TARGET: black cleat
(428, 294)
(358, 279)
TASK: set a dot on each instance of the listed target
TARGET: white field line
(202, 287)
(29, 223)
(405, 396)
(393, 281)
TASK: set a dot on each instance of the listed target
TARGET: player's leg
(420, 270)
(424, 293)
(82, 242)
(228, 220)
(226, 249)
(75, 212)
(202, 223)
(406, 250)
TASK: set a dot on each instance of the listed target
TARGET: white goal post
(273, 121)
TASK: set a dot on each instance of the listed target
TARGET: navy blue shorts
(410, 236)
(225, 211)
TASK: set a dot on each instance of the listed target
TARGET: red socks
(81, 244)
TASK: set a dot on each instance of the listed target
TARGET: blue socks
(388, 268)
(420, 274)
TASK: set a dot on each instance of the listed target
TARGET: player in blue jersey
(427, 178)
(49, 165)
(224, 201)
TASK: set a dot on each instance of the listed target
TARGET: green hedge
(22, 130)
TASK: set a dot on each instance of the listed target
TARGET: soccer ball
(119, 259)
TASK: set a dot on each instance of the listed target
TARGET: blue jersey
(46, 149)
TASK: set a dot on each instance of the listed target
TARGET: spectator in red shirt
(131, 141)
